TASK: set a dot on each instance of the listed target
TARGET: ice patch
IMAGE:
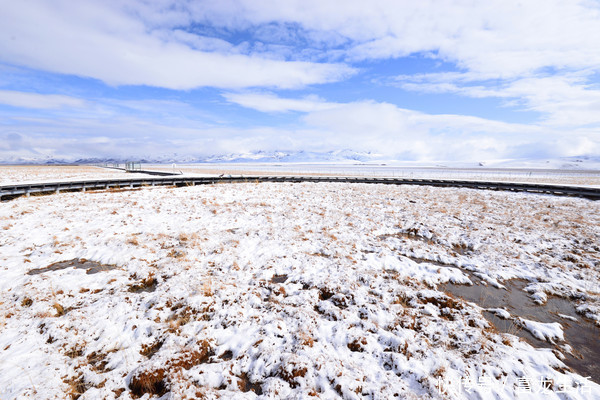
(500, 312)
(568, 317)
(544, 331)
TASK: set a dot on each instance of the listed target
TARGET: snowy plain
(283, 290)
(16, 174)
(588, 174)
(573, 176)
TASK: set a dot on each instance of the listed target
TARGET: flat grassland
(286, 290)
(13, 174)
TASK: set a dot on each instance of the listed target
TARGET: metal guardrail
(8, 192)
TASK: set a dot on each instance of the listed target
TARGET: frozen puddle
(279, 278)
(512, 311)
(91, 267)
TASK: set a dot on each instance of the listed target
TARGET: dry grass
(292, 372)
(76, 387)
(147, 284)
(207, 288)
(133, 240)
(157, 381)
(60, 311)
(151, 382)
(148, 350)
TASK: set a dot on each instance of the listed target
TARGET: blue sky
(427, 80)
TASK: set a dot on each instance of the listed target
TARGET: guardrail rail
(8, 192)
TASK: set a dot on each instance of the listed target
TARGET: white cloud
(93, 40)
(387, 129)
(501, 38)
(563, 100)
(35, 100)
(155, 43)
(108, 129)
(271, 103)
(391, 130)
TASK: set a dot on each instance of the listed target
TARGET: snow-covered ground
(15, 174)
(528, 175)
(286, 291)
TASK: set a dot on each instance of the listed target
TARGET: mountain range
(585, 162)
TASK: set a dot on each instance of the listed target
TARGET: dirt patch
(91, 267)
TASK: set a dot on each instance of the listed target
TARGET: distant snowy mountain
(338, 156)
(579, 162)
(259, 156)
(293, 156)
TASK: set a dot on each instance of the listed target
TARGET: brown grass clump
(59, 309)
(305, 339)
(291, 372)
(175, 254)
(246, 385)
(98, 362)
(76, 387)
(439, 372)
(357, 345)
(443, 302)
(325, 293)
(207, 288)
(279, 291)
(194, 357)
(74, 352)
(158, 381)
(27, 302)
(146, 285)
(148, 350)
(152, 382)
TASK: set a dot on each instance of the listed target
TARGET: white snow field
(16, 174)
(579, 177)
(278, 290)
